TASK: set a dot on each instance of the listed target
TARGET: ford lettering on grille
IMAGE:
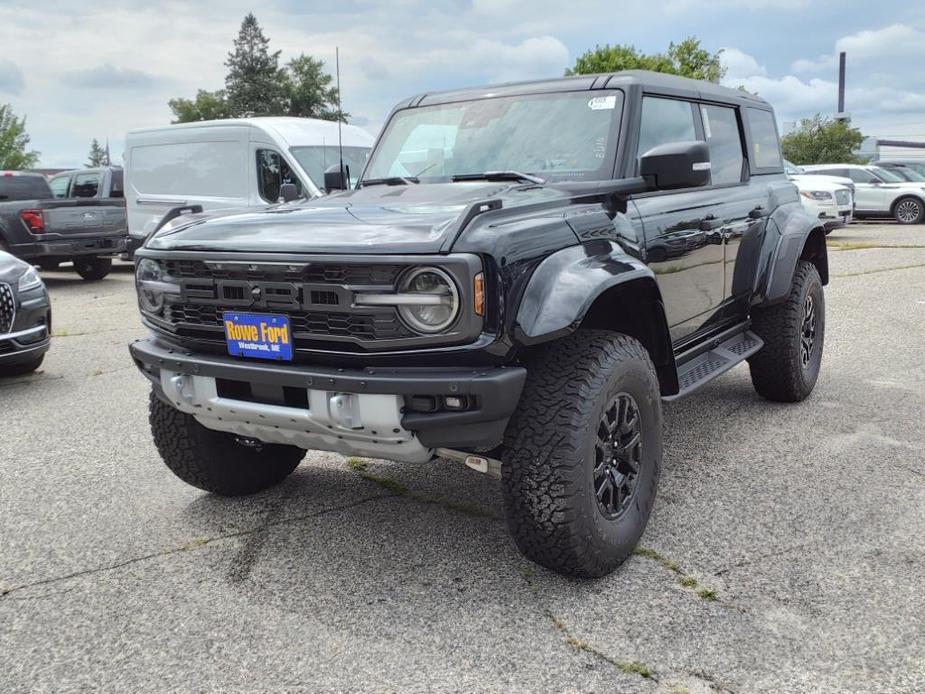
(251, 294)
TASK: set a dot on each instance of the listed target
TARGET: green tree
(255, 84)
(98, 155)
(14, 141)
(309, 90)
(206, 106)
(687, 59)
(820, 140)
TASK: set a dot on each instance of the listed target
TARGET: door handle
(758, 212)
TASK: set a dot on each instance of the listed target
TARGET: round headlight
(437, 302)
(148, 275)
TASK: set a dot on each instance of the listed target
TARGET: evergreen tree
(14, 140)
(97, 156)
(254, 84)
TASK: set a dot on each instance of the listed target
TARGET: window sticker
(603, 103)
(706, 122)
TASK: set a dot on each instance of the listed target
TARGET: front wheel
(787, 367)
(582, 453)
(909, 211)
(92, 268)
(214, 460)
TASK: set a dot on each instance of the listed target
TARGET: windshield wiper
(499, 176)
(389, 181)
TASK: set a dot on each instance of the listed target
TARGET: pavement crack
(761, 557)
(190, 546)
(877, 270)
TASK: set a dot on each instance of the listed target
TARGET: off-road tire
(92, 268)
(213, 460)
(25, 367)
(777, 369)
(549, 453)
(909, 210)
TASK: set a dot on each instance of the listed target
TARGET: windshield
(792, 169)
(559, 136)
(317, 158)
(887, 176)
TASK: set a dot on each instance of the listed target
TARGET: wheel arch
(798, 237)
(597, 286)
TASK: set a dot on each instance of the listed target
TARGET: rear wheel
(909, 211)
(787, 367)
(92, 268)
(583, 453)
(214, 460)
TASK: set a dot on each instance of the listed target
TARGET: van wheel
(909, 211)
(582, 453)
(92, 268)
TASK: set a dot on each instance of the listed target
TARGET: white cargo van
(230, 164)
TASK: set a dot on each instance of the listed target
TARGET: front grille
(842, 197)
(381, 325)
(7, 308)
(320, 273)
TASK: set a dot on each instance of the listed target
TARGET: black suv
(521, 276)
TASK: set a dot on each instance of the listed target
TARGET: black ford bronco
(521, 276)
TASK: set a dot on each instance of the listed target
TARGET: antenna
(340, 117)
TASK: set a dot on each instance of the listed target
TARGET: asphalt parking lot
(786, 551)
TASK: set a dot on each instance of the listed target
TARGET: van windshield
(556, 136)
(316, 159)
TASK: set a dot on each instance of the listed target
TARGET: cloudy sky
(97, 69)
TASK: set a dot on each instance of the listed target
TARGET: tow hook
(479, 463)
(248, 442)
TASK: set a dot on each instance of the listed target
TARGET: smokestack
(841, 82)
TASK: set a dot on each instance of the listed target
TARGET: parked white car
(830, 199)
(879, 192)
(238, 163)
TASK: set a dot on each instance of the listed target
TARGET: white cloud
(740, 65)
(895, 41)
(11, 79)
(824, 63)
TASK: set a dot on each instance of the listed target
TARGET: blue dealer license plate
(258, 335)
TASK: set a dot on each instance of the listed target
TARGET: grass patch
(864, 245)
(649, 553)
(632, 667)
(687, 581)
(357, 464)
(707, 594)
(635, 668)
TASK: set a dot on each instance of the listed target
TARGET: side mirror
(288, 192)
(336, 178)
(676, 165)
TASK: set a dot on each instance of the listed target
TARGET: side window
(763, 131)
(86, 185)
(117, 187)
(272, 172)
(862, 176)
(721, 128)
(59, 185)
(663, 121)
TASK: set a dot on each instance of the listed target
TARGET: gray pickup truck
(46, 231)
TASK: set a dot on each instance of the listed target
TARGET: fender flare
(565, 285)
(794, 227)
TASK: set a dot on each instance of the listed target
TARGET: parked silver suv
(879, 192)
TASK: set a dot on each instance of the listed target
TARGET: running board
(707, 366)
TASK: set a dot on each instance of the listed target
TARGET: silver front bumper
(364, 424)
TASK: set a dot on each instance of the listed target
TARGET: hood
(382, 219)
(817, 183)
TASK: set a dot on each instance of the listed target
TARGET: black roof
(651, 82)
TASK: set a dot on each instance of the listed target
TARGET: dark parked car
(523, 274)
(25, 317)
(45, 231)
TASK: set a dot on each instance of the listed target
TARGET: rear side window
(721, 129)
(59, 185)
(862, 176)
(215, 168)
(86, 185)
(272, 172)
(24, 188)
(664, 121)
(765, 146)
(117, 187)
